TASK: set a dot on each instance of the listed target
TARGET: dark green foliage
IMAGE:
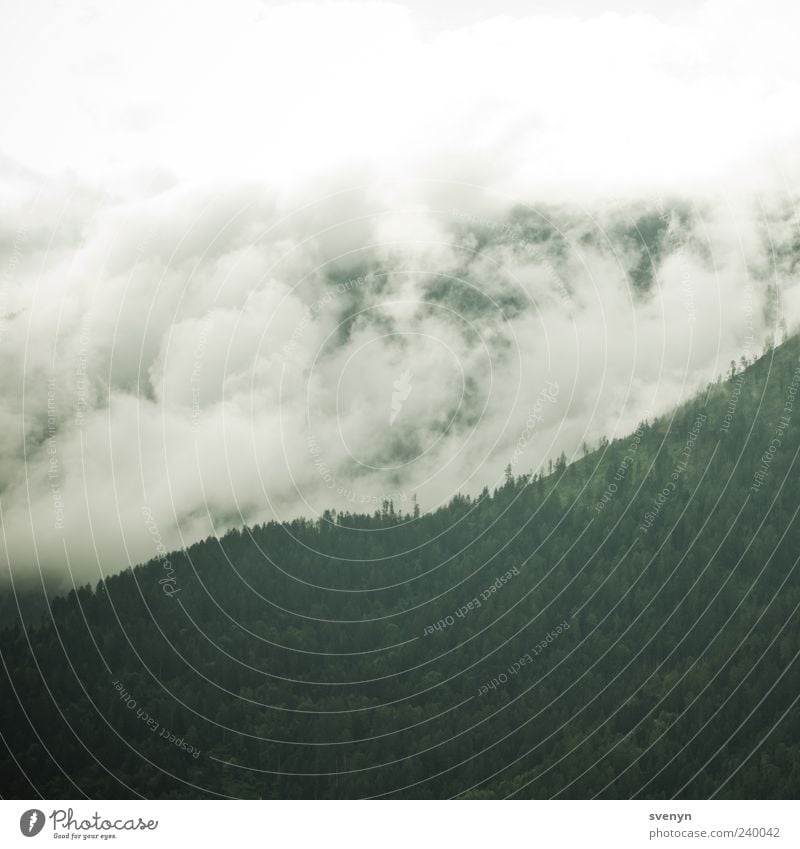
(319, 659)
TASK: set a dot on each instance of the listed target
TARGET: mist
(215, 315)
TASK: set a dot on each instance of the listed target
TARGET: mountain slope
(626, 626)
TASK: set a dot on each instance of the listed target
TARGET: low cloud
(193, 340)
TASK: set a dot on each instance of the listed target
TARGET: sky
(261, 260)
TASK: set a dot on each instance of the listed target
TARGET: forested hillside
(624, 626)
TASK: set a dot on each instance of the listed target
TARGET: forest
(621, 625)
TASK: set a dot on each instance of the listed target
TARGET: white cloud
(286, 92)
(228, 231)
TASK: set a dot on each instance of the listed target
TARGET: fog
(268, 270)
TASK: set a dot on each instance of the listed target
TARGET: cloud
(604, 102)
(223, 252)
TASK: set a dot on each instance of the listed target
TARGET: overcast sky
(257, 259)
